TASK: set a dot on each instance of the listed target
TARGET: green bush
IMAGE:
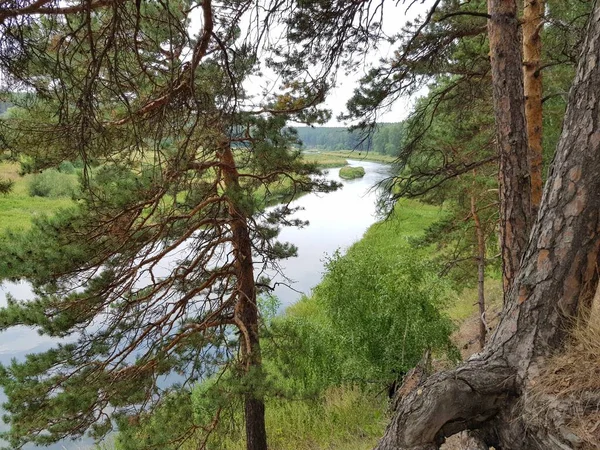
(52, 183)
(350, 173)
(386, 311)
(66, 167)
(6, 186)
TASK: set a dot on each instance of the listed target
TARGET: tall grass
(345, 417)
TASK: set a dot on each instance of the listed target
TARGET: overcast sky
(394, 17)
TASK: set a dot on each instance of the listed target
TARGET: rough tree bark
(533, 14)
(246, 310)
(557, 274)
(480, 271)
(511, 134)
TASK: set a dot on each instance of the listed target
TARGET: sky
(393, 18)
(395, 15)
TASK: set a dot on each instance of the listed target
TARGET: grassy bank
(340, 158)
(364, 156)
(325, 160)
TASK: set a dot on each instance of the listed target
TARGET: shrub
(52, 183)
(6, 186)
(385, 310)
(66, 167)
(350, 173)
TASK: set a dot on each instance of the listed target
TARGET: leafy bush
(66, 167)
(6, 186)
(386, 311)
(377, 310)
(52, 183)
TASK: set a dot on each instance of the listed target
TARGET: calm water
(336, 220)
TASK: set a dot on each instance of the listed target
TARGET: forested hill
(386, 139)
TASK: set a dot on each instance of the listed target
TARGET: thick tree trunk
(480, 272)
(533, 13)
(246, 310)
(511, 134)
(558, 273)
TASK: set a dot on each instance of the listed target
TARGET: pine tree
(150, 278)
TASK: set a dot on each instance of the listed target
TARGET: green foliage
(157, 430)
(53, 183)
(6, 186)
(386, 312)
(351, 172)
(385, 139)
(378, 308)
(66, 167)
(343, 417)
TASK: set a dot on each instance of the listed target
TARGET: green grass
(408, 220)
(327, 160)
(18, 208)
(465, 304)
(350, 172)
(344, 418)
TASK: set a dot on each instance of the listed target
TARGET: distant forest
(386, 139)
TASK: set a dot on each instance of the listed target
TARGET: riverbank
(331, 159)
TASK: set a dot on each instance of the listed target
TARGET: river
(336, 220)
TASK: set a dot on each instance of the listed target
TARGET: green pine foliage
(140, 274)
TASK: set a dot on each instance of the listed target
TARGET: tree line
(385, 139)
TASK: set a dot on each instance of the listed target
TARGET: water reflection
(337, 220)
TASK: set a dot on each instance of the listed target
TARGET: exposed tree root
(449, 402)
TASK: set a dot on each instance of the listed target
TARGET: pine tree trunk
(511, 134)
(533, 13)
(557, 275)
(246, 310)
(480, 272)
